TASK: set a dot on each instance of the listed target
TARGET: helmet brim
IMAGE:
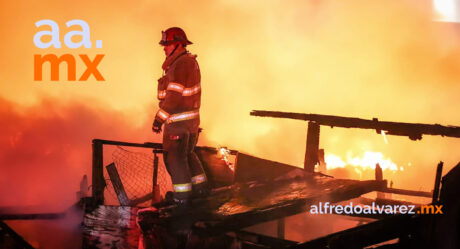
(166, 43)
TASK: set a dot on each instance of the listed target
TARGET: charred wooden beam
(446, 229)
(158, 147)
(155, 187)
(251, 168)
(243, 206)
(378, 201)
(365, 235)
(32, 216)
(98, 174)
(120, 143)
(10, 239)
(284, 209)
(407, 192)
(141, 199)
(437, 182)
(311, 154)
(371, 216)
(413, 130)
(262, 241)
(117, 185)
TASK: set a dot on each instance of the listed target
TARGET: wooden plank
(97, 172)
(241, 215)
(365, 235)
(142, 199)
(407, 192)
(367, 217)
(262, 240)
(158, 147)
(254, 203)
(413, 130)
(311, 152)
(10, 239)
(437, 182)
(120, 143)
(251, 168)
(378, 201)
(446, 230)
(117, 185)
(156, 197)
(32, 216)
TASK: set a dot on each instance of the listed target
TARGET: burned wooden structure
(261, 191)
(411, 130)
(257, 191)
(409, 230)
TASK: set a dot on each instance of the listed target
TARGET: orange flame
(224, 153)
(367, 161)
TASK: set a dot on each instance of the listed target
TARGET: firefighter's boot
(171, 199)
(201, 190)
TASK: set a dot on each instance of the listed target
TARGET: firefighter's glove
(156, 127)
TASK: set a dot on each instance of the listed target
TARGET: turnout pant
(181, 162)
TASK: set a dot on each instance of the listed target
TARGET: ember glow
(367, 161)
(224, 154)
(384, 136)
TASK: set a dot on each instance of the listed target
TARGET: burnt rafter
(413, 130)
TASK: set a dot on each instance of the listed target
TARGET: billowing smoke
(46, 149)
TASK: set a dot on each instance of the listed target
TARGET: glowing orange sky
(360, 58)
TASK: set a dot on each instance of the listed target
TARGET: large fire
(367, 161)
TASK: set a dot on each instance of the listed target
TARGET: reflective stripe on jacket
(179, 90)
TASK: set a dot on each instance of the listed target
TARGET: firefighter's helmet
(173, 35)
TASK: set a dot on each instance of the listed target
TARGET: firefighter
(179, 95)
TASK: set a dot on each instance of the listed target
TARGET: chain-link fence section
(136, 170)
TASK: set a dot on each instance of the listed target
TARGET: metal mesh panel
(136, 174)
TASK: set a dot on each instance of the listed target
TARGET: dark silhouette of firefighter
(179, 93)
